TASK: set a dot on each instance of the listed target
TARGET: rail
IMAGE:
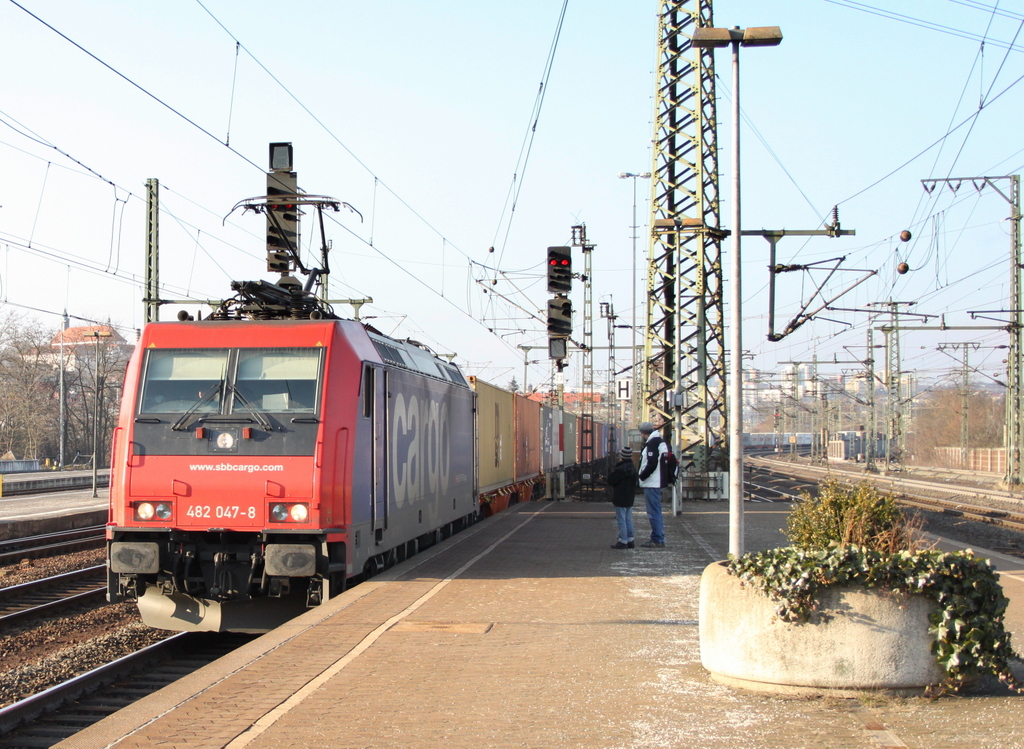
(49, 544)
(57, 593)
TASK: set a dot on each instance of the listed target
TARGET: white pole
(735, 406)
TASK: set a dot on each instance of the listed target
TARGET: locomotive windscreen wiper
(260, 418)
(179, 425)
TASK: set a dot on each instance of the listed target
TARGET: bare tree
(938, 420)
(92, 384)
(32, 356)
(28, 403)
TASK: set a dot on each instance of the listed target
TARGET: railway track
(52, 594)
(993, 506)
(51, 544)
(50, 717)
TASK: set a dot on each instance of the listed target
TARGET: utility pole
(586, 435)
(965, 394)
(817, 423)
(526, 360)
(895, 443)
(793, 422)
(871, 446)
(636, 353)
(152, 301)
(684, 347)
(608, 312)
(1013, 438)
(96, 335)
(62, 442)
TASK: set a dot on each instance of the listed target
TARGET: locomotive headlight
(153, 511)
(290, 513)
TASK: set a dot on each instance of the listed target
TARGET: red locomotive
(269, 453)
(253, 458)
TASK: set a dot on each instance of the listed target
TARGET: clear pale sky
(417, 115)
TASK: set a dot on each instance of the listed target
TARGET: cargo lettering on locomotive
(420, 447)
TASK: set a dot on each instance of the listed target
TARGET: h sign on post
(624, 388)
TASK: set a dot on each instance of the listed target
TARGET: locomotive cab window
(369, 390)
(277, 380)
(177, 381)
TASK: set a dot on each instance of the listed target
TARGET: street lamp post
(96, 335)
(634, 177)
(62, 437)
(708, 37)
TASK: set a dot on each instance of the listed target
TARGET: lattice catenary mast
(684, 351)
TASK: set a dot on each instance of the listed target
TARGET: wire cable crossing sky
(452, 246)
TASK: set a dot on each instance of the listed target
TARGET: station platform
(528, 630)
(36, 514)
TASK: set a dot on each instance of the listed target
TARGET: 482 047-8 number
(229, 512)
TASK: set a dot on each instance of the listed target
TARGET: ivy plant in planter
(857, 536)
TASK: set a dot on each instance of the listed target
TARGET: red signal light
(559, 269)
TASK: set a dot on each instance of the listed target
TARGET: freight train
(271, 454)
(258, 466)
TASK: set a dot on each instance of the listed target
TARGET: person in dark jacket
(623, 483)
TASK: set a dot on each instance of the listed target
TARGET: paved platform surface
(529, 631)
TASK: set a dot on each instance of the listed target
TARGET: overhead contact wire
(527, 147)
(331, 133)
(121, 75)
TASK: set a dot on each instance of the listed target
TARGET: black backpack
(669, 467)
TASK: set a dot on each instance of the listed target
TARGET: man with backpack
(651, 482)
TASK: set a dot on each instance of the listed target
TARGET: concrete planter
(866, 640)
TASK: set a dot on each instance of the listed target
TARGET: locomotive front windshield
(277, 380)
(204, 381)
(179, 381)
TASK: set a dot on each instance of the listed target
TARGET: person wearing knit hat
(623, 482)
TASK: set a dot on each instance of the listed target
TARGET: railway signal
(559, 270)
(282, 207)
(559, 317)
(282, 210)
(558, 348)
(279, 261)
